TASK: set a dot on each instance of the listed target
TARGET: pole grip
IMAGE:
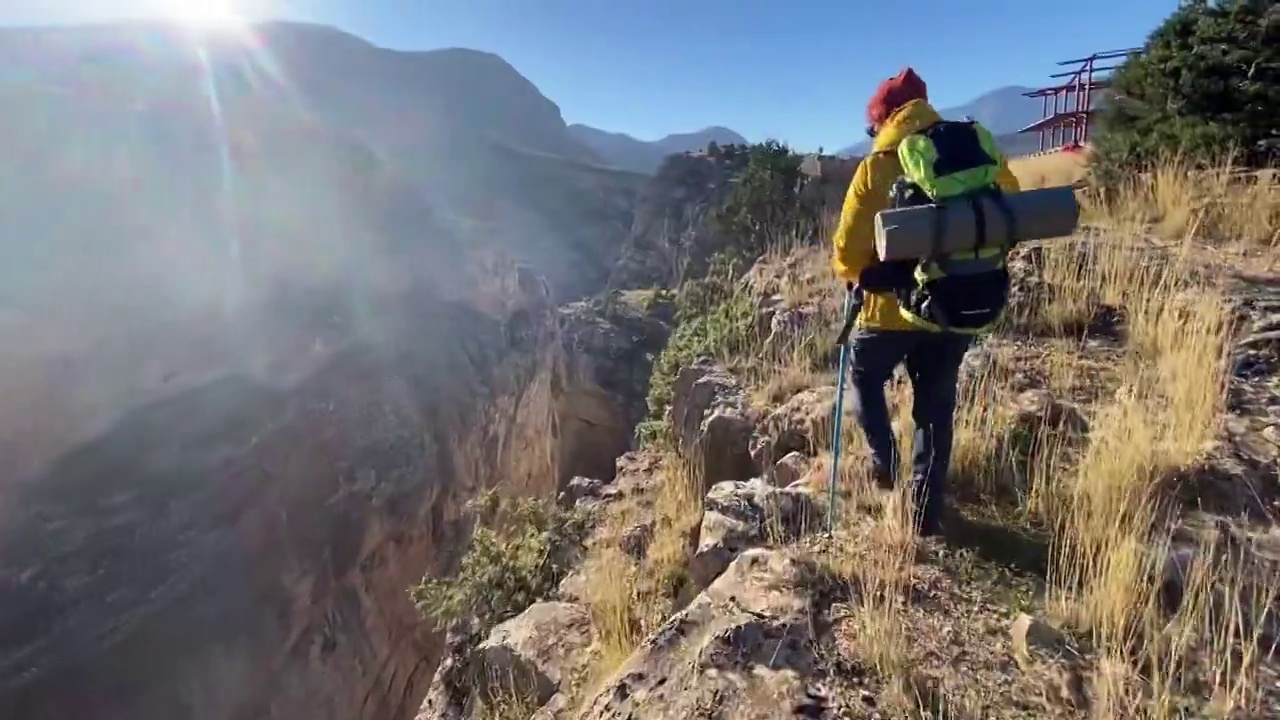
(853, 306)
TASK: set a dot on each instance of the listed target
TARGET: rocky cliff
(253, 363)
(242, 549)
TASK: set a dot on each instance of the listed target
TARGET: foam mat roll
(1040, 214)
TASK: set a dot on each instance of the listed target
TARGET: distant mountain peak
(629, 153)
(1004, 111)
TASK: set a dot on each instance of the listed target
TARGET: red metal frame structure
(1073, 99)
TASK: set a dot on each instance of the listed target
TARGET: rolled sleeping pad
(907, 233)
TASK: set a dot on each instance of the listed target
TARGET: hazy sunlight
(204, 13)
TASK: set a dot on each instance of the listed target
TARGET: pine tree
(1207, 85)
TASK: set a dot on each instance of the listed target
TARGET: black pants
(933, 366)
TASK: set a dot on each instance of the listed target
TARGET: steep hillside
(275, 308)
(1108, 547)
(623, 151)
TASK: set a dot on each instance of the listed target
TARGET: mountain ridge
(645, 156)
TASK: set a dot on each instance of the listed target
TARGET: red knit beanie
(893, 94)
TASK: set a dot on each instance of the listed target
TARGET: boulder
(1041, 408)
(635, 540)
(743, 647)
(801, 424)
(740, 515)
(790, 469)
(532, 654)
(581, 488)
(713, 422)
(788, 326)
(1046, 653)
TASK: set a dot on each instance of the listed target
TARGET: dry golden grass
(1155, 404)
(777, 370)
(1051, 170)
(879, 558)
(507, 698)
(628, 599)
(1106, 503)
(1111, 519)
(1180, 202)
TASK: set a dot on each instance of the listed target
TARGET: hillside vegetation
(1111, 549)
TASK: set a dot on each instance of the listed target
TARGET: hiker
(955, 159)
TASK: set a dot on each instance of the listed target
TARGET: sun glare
(204, 13)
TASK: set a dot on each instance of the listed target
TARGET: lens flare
(204, 13)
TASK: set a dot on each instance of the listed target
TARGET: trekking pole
(852, 305)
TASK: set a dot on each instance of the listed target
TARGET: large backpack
(968, 291)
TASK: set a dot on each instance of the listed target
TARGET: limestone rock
(713, 422)
(798, 425)
(789, 469)
(1037, 409)
(788, 326)
(635, 540)
(573, 588)
(581, 488)
(530, 655)
(610, 345)
(742, 647)
(740, 515)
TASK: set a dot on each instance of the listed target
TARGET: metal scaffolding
(1073, 100)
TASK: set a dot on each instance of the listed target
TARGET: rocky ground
(709, 588)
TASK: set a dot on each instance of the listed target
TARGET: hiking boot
(929, 527)
(883, 478)
(931, 522)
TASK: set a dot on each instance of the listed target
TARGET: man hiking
(916, 158)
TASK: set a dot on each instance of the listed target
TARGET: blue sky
(797, 70)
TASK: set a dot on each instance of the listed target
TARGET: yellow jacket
(854, 240)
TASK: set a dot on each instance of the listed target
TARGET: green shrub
(715, 317)
(764, 205)
(520, 551)
(653, 433)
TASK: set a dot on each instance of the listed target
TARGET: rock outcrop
(611, 346)
(743, 648)
(713, 422)
(530, 656)
(673, 237)
(743, 515)
(800, 424)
